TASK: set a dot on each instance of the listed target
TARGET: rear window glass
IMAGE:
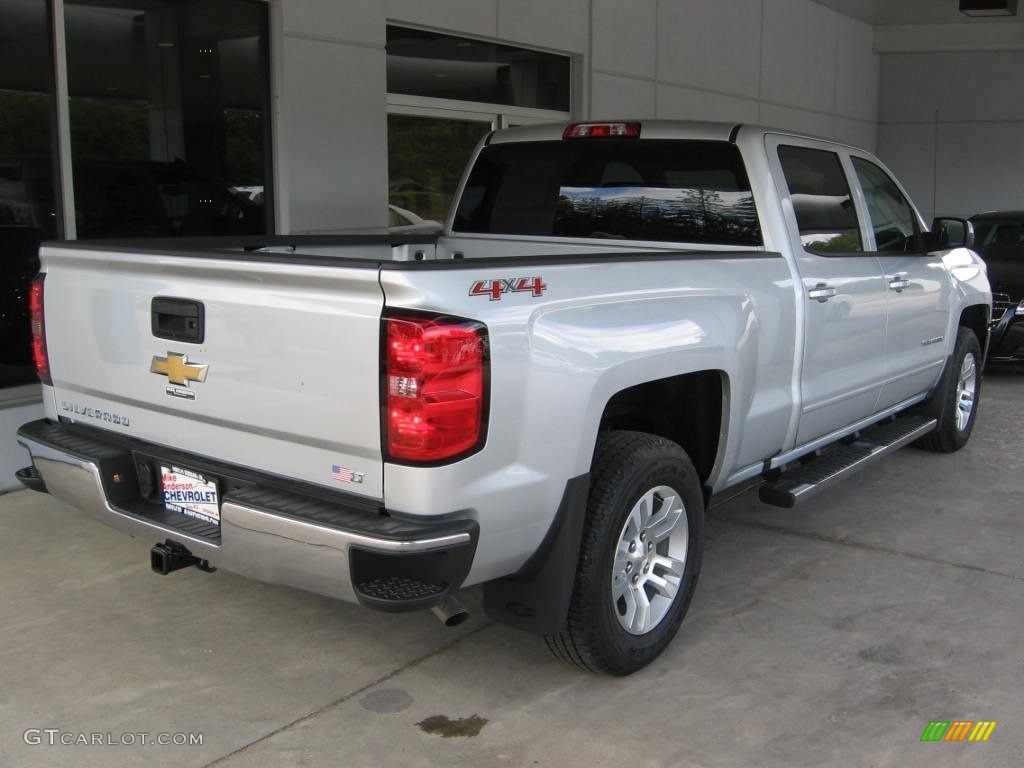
(674, 191)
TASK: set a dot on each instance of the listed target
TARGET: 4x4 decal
(498, 288)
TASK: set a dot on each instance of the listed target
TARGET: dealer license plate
(190, 494)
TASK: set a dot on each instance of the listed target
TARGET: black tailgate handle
(178, 319)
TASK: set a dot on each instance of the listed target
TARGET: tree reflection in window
(655, 190)
(655, 213)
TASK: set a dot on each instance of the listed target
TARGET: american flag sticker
(346, 475)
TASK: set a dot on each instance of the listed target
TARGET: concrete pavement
(828, 635)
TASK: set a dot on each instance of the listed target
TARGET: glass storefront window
(168, 106)
(426, 157)
(28, 205)
(434, 65)
(445, 93)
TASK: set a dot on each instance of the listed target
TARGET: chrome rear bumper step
(805, 480)
(280, 536)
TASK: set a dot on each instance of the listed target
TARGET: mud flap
(537, 598)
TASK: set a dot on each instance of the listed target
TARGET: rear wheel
(955, 401)
(640, 557)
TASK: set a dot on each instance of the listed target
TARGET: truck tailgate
(283, 376)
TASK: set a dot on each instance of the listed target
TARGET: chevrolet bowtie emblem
(177, 369)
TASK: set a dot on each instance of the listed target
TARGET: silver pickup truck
(618, 321)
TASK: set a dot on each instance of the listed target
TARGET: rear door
(844, 294)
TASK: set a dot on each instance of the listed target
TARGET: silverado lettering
(95, 413)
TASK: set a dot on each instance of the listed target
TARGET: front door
(916, 288)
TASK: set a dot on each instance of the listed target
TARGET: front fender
(969, 275)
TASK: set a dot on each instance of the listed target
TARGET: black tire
(637, 481)
(956, 399)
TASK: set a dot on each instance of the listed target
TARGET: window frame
(571, 60)
(846, 155)
(64, 99)
(817, 147)
(498, 115)
(916, 238)
(20, 386)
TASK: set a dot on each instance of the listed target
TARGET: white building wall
(952, 127)
(789, 63)
(330, 113)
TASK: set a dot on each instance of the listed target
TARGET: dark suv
(999, 238)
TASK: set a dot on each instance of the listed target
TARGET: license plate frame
(190, 493)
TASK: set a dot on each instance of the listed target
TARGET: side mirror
(949, 232)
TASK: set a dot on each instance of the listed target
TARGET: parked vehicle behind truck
(619, 321)
(999, 240)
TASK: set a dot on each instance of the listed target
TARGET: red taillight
(35, 312)
(602, 131)
(435, 383)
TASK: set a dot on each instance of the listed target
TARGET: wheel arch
(536, 599)
(976, 318)
(688, 409)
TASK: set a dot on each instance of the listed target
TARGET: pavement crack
(349, 696)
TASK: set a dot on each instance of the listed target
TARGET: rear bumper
(316, 541)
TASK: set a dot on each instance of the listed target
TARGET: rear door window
(824, 208)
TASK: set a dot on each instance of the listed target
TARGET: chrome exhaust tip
(450, 612)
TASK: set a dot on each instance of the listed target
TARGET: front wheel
(640, 557)
(955, 401)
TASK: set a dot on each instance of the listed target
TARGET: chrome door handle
(898, 283)
(821, 293)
